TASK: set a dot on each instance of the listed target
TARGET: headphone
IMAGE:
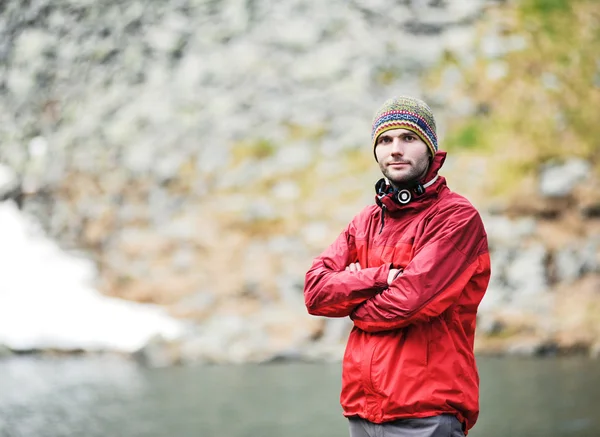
(383, 187)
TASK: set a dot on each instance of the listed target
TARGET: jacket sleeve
(330, 290)
(450, 252)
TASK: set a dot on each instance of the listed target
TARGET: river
(91, 396)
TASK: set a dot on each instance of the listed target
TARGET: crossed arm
(385, 298)
(332, 288)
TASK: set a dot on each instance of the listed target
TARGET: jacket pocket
(399, 359)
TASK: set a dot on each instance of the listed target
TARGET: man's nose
(397, 147)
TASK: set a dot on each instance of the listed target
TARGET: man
(410, 272)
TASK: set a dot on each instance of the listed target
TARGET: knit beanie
(406, 113)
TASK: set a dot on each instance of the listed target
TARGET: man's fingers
(392, 275)
(353, 267)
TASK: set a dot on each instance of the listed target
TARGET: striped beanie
(406, 113)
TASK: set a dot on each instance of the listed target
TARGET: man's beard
(407, 178)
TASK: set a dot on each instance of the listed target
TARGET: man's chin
(399, 180)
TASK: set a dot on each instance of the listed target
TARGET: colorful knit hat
(406, 113)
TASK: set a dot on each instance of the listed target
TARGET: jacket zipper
(383, 208)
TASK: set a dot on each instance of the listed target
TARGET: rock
(315, 233)
(294, 157)
(260, 209)
(336, 331)
(489, 325)
(550, 81)
(559, 180)
(594, 351)
(214, 340)
(290, 291)
(497, 70)
(492, 46)
(526, 273)
(157, 353)
(9, 183)
(574, 261)
(508, 232)
(497, 296)
(274, 331)
(286, 191)
(193, 146)
(196, 305)
(212, 158)
(324, 352)
(138, 159)
(5, 351)
(530, 347)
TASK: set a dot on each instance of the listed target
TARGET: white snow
(47, 300)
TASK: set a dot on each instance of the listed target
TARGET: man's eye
(409, 138)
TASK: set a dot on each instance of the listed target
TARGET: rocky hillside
(527, 95)
(202, 152)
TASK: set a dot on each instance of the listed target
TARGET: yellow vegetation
(537, 98)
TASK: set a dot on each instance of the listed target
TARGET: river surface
(110, 396)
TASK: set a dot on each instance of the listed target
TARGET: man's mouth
(398, 164)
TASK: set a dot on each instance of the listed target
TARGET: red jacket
(410, 353)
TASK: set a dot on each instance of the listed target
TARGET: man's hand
(394, 273)
(353, 267)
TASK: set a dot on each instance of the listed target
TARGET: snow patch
(47, 300)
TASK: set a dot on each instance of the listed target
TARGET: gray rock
(595, 351)
(492, 46)
(314, 233)
(197, 302)
(336, 330)
(526, 277)
(560, 180)
(574, 261)
(508, 232)
(168, 166)
(260, 209)
(497, 296)
(286, 245)
(5, 351)
(294, 157)
(290, 291)
(9, 182)
(324, 352)
(497, 70)
(139, 158)
(212, 158)
(225, 339)
(286, 191)
(157, 353)
(159, 118)
(488, 324)
(528, 347)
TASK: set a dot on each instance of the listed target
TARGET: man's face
(403, 157)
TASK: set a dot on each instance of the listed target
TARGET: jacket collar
(416, 196)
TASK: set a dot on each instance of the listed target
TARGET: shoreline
(314, 353)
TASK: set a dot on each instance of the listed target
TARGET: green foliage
(469, 136)
(259, 148)
(544, 8)
(299, 132)
(545, 106)
(387, 76)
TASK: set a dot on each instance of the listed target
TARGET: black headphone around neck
(403, 195)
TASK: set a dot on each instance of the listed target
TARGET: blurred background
(169, 169)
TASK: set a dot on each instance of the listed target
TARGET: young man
(410, 272)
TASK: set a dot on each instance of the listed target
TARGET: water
(111, 396)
